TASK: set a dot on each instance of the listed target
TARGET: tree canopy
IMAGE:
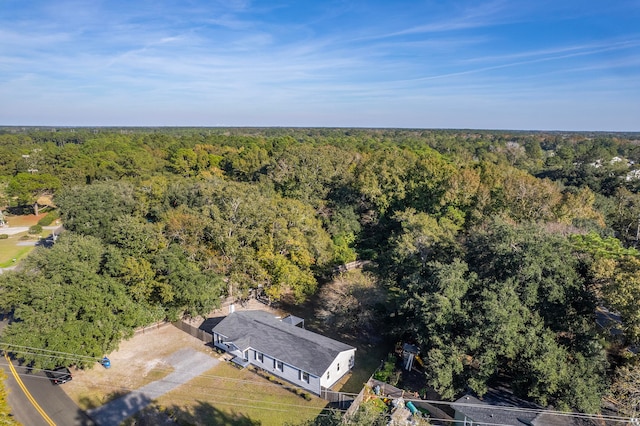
(494, 249)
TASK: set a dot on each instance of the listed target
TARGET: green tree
(62, 302)
(136, 237)
(614, 274)
(195, 292)
(246, 164)
(95, 209)
(517, 307)
(422, 238)
(382, 177)
(26, 188)
(309, 173)
(184, 162)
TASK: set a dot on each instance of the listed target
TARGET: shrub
(49, 218)
(4, 236)
(35, 229)
(388, 372)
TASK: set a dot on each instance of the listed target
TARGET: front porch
(233, 354)
(240, 361)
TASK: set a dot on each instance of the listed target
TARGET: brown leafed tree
(626, 390)
(349, 302)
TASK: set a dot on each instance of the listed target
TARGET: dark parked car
(59, 375)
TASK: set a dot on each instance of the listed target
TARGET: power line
(50, 354)
(170, 370)
(48, 351)
(204, 388)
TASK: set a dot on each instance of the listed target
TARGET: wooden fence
(151, 327)
(357, 264)
(203, 335)
(393, 392)
(356, 403)
(339, 400)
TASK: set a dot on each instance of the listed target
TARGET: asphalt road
(51, 398)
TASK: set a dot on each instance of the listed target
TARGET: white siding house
(306, 359)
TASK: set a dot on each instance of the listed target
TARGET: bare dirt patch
(138, 362)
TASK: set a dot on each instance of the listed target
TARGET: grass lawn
(228, 395)
(9, 248)
(368, 359)
(9, 251)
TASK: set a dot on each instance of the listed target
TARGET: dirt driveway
(148, 357)
(152, 363)
(188, 364)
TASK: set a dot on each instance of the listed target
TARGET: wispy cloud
(473, 16)
(557, 52)
(409, 59)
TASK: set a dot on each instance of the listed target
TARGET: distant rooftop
(500, 406)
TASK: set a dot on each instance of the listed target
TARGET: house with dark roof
(301, 357)
(501, 407)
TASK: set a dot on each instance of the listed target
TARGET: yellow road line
(26, 392)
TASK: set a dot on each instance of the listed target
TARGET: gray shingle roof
(482, 412)
(499, 406)
(300, 348)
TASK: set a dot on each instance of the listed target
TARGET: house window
(328, 374)
(279, 365)
(338, 367)
(303, 376)
(246, 355)
(260, 357)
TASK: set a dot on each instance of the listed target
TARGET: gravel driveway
(187, 363)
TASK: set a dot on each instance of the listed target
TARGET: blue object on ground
(106, 362)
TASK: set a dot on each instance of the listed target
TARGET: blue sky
(497, 64)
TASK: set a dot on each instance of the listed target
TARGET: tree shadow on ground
(91, 402)
(205, 414)
(82, 419)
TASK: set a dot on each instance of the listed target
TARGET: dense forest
(493, 251)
